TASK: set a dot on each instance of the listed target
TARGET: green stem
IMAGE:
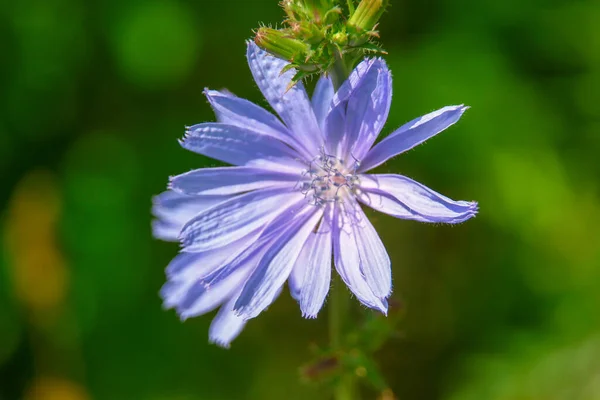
(338, 309)
(339, 72)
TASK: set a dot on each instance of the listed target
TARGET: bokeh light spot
(156, 43)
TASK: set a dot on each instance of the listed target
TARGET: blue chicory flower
(292, 196)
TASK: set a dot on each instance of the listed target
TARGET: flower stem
(338, 309)
(340, 71)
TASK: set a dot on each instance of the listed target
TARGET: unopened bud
(367, 14)
(340, 38)
(281, 44)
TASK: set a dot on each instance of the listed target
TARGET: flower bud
(281, 45)
(367, 14)
(340, 38)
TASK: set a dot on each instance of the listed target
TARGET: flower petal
(235, 218)
(404, 198)
(335, 120)
(201, 299)
(233, 110)
(348, 259)
(368, 108)
(359, 109)
(238, 146)
(276, 264)
(321, 99)
(374, 260)
(187, 265)
(292, 104)
(229, 180)
(173, 210)
(411, 134)
(254, 252)
(316, 260)
(187, 269)
(296, 277)
(226, 325)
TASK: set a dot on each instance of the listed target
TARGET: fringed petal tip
(461, 108)
(168, 303)
(306, 315)
(163, 231)
(212, 95)
(186, 136)
(382, 307)
(219, 342)
(170, 184)
(472, 209)
(226, 326)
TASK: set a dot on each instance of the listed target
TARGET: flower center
(328, 179)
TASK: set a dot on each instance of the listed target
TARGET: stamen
(327, 179)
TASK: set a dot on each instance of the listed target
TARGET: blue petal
(177, 287)
(348, 261)
(375, 263)
(292, 104)
(165, 231)
(296, 277)
(368, 108)
(315, 262)
(235, 218)
(254, 252)
(233, 110)
(404, 198)
(229, 180)
(335, 120)
(238, 146)
(358, 109)
(187, 261)
(174, 210)
(411, 134)
(202, 263)
(321, 100)
(201, 299)
(226, 325)
(187, 269)
(276, 265)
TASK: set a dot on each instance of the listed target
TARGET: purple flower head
(292, 197)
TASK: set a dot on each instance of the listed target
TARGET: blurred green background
(94, 95)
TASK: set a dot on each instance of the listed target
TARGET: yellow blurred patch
(38, 267)
(47, 388)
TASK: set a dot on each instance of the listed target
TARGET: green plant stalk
(338, 310)
(340, 71)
